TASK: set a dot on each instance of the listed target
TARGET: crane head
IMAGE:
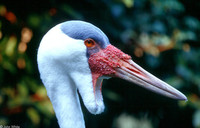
(83, 52)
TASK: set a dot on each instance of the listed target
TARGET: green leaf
(11, 45)
(33, 116)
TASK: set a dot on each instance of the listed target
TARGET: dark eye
(89, 43)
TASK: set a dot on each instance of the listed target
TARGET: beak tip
(182, 97)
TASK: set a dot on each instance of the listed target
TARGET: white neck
(67, 107)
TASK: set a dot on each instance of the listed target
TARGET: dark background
(161, 35)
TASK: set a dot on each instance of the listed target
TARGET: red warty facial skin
(104, 62)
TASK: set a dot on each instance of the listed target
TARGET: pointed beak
(112, 62)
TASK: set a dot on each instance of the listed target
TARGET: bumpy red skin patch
(104, 62)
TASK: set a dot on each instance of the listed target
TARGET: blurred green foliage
(160, 35)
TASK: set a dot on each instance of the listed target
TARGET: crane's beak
(114, 63)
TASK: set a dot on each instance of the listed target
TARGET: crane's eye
(89, 43)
